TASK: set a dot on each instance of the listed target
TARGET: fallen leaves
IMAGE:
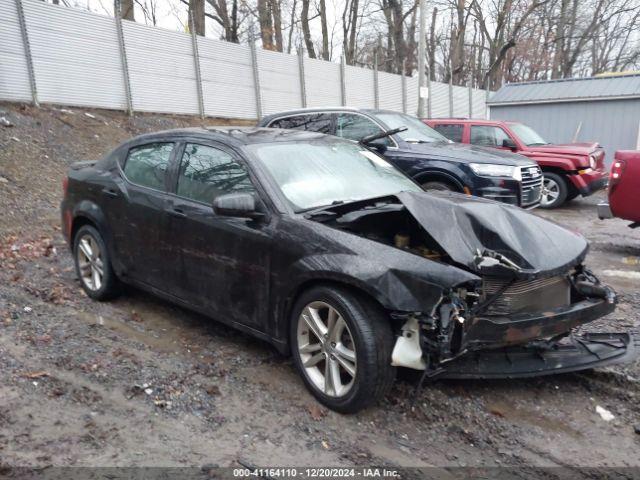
(213, 390)
(316, 412)
(13, 250)
(33, 375)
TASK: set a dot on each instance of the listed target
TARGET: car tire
(554, 190)
(361, 331)
(441, 186)
(93, 264)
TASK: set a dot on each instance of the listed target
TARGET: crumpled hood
(465, 226)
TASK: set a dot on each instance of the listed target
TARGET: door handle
(110, 192)
(176, 212)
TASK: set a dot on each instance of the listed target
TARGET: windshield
(312, 175)
(527, 135)
(416, 130)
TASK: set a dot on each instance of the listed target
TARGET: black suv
(424, 154)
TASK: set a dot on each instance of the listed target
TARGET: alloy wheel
(550, 192)
(326, 348)
(90, 262)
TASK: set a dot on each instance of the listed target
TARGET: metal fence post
(343, 81)
(450, 96)
(487, 112)
(27, 52)
(256, 73)
(429, 94)
(123, 57)
(376, 93)
(196, 61)
(403, 83)
(303, 86)
(470, 100)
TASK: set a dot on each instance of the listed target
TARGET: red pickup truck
(569, 170)
(624, 188)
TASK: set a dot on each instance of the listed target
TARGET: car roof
(476, 121)
(234, 135)
(302, 111)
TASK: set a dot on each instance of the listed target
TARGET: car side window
(487, 135)
(208, 172)
(314, 122)
(452, 131)
(146, 165)
(355, 127)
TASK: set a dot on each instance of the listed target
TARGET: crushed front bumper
(494, 331)
(590, 181)
(574, 353)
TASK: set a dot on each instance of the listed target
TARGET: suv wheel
(554, 190)
(93, 265)
(341, 345)
(438, 186)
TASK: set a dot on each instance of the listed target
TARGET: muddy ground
(140, 382)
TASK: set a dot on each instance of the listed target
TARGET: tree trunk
(306, 32)
(277, 23)
(196, 12)
(325, 30)
(126, 9)
(266, 26)
(431, 48)
(349, 30)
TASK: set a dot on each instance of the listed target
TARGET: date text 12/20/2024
(319, 472)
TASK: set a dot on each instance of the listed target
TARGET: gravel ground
(139, 382)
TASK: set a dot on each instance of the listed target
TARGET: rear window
(452, 131)
(315, 122)
(146, 165)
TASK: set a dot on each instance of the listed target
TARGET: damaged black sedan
(321, 247)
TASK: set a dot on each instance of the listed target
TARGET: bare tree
(395, 16)
(196, 16)
(306, 30)
(126, 9)
(149, 11)
(226, 14)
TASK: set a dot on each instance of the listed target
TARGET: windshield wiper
(537, 144)
(376, 136)
(417, 140)
(316, 210)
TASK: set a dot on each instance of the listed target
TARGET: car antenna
(387, 133)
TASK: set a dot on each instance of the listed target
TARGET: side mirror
(509, 143)
(380, 144)
(241, 205)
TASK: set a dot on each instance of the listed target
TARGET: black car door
(136, 212)
(223, 265)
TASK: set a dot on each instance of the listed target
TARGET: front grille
(531, 185)
(527, 296)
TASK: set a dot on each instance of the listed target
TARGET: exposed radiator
(527, 296)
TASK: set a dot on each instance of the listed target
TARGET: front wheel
(341, 345)
(440, 186)
(554, 190)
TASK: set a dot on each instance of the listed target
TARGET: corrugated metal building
(603, 109)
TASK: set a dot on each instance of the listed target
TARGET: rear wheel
(442, 186)
(554, 190)
(93, 265)
(341, 345)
